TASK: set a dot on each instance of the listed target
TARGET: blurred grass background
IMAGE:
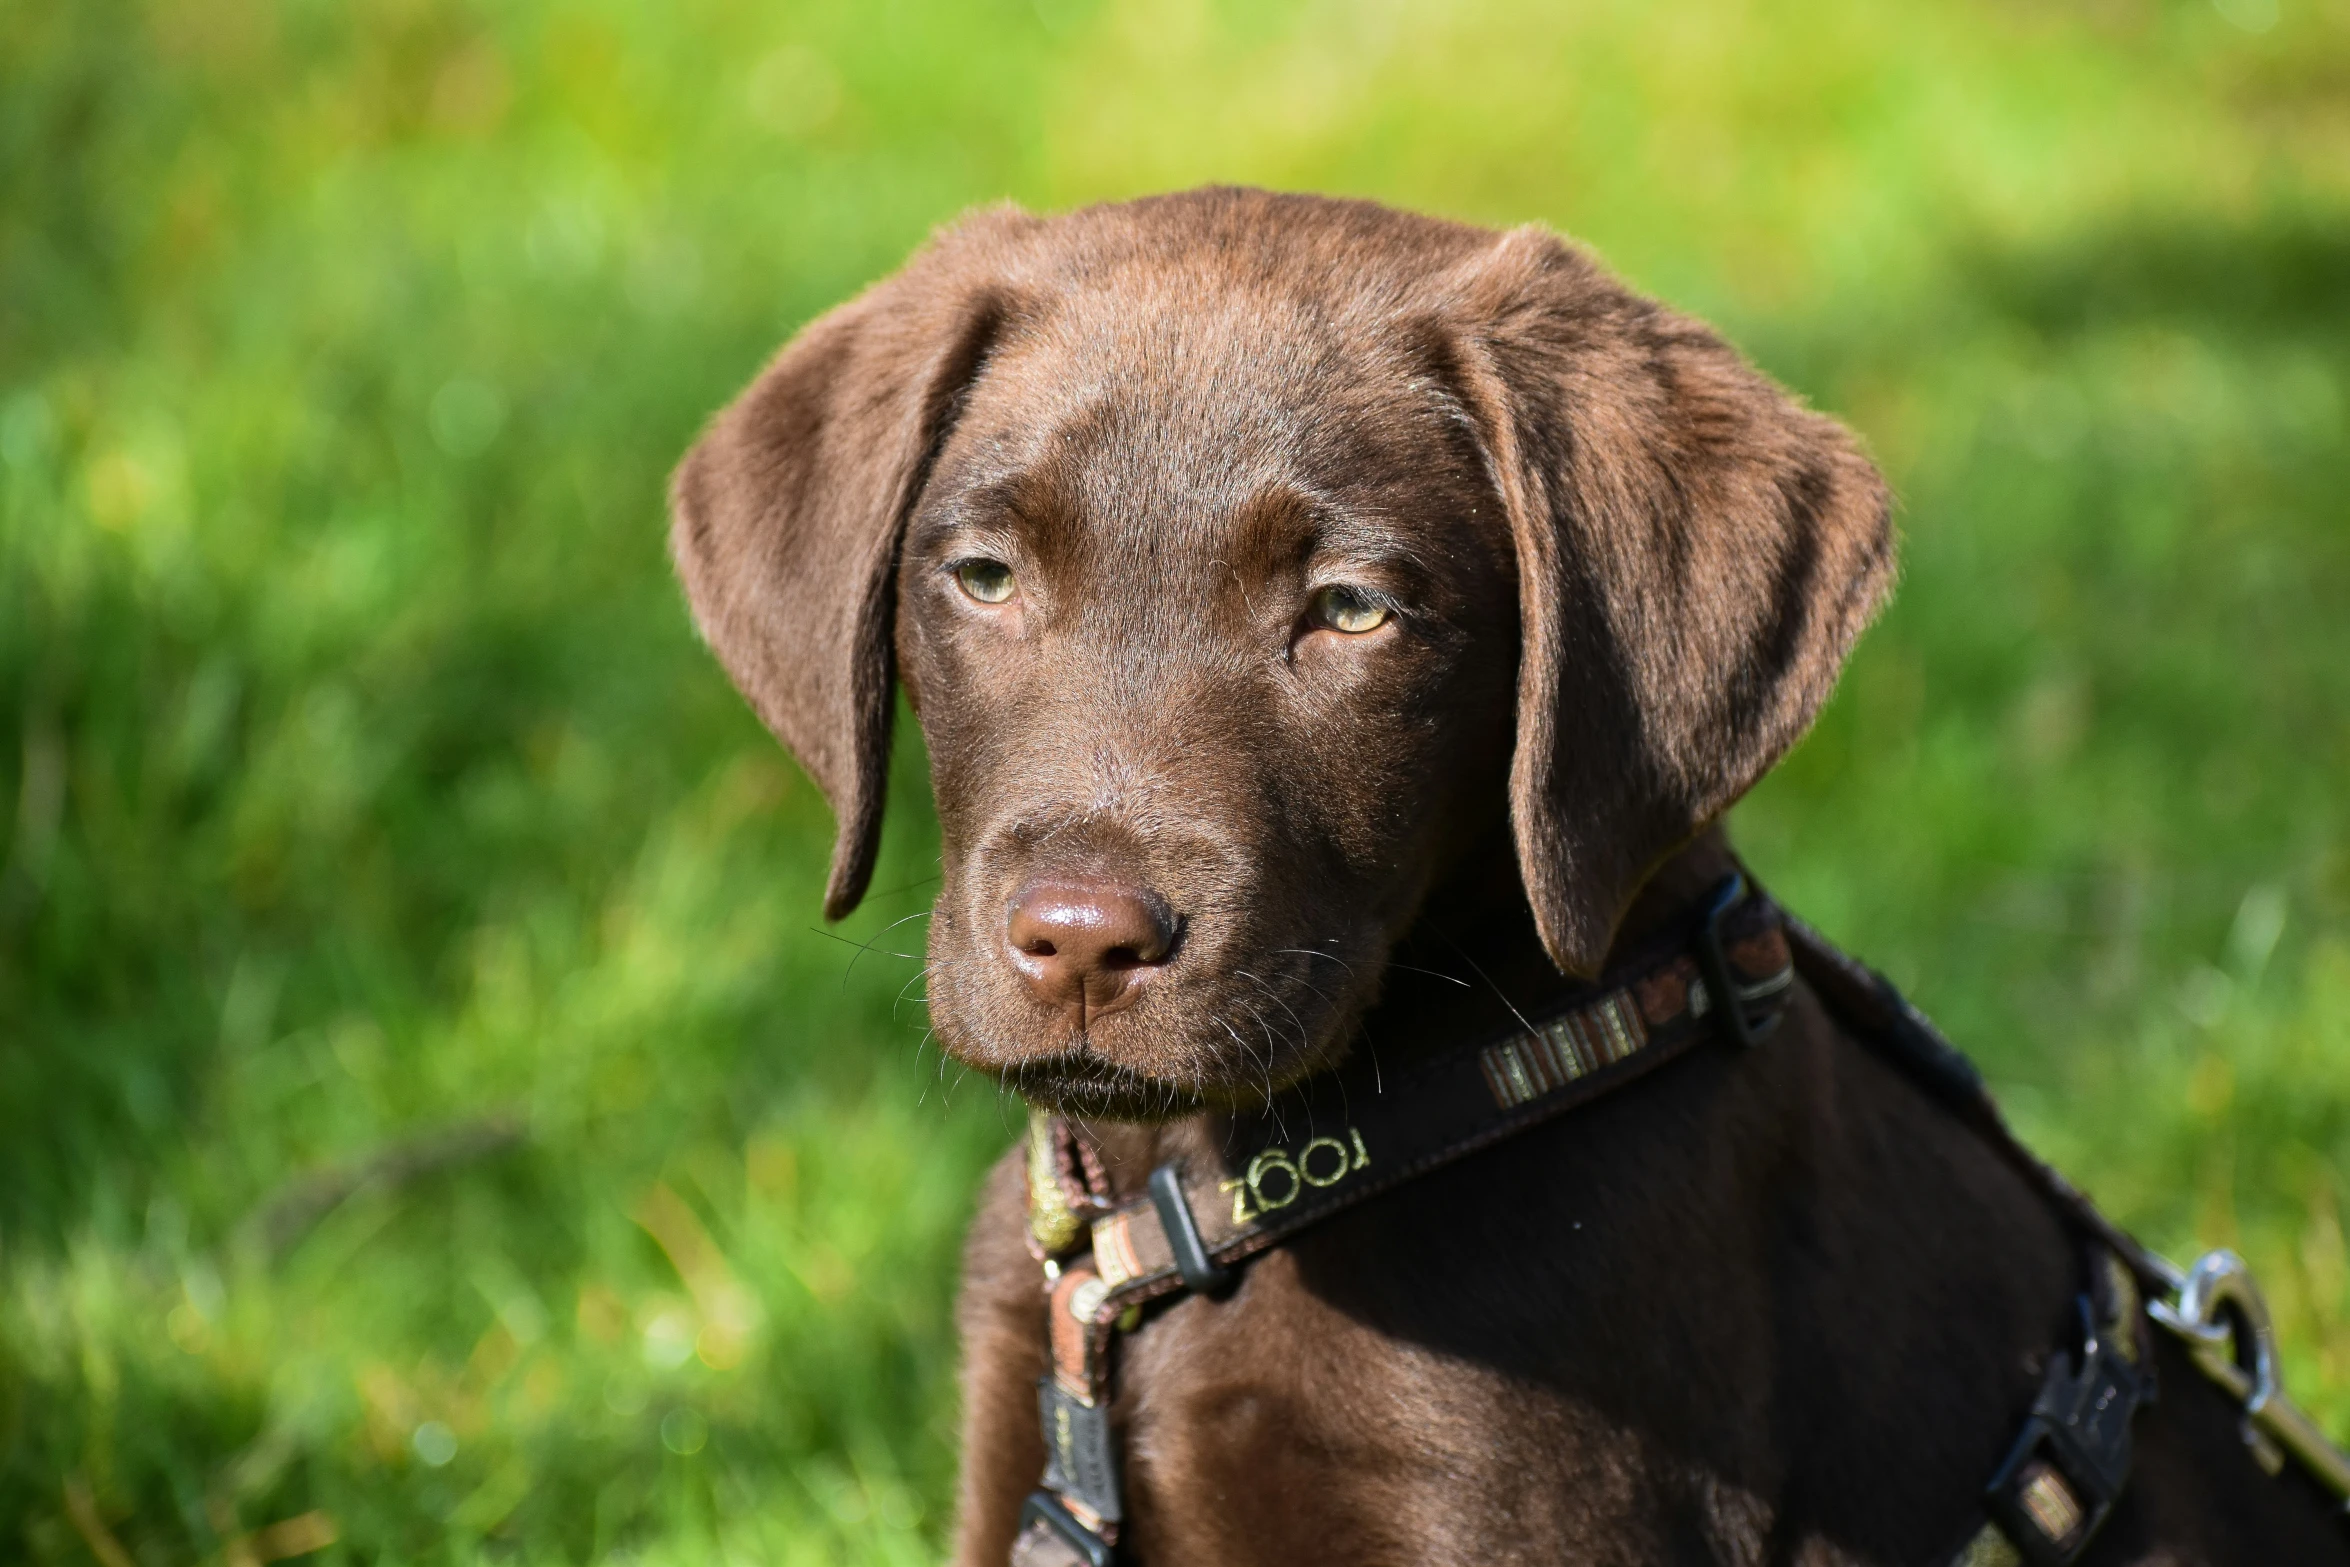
(432, 1126)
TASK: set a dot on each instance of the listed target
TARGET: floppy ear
(1696, 554)
(785, 517)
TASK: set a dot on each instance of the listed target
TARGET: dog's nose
(1087, 944)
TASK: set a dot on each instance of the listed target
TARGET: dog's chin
(1077, 1083)
(1077, 1080)
(1161, 1060)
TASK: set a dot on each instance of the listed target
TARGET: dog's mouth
(1150, 1066)
(1079, 1081)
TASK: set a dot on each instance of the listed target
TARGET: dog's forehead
(1169, 387)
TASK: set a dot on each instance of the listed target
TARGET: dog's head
(1245, 556)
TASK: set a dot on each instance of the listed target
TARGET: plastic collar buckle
(1722, 987)
(1202, 1274)
(2073, 1457)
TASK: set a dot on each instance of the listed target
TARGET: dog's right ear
(786, 516)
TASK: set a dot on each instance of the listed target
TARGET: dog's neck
(1471, 967)
(1473, 963)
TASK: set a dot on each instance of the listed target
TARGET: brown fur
(1769, 1306)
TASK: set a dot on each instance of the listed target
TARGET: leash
(1726, 977)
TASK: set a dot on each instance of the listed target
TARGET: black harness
(1726, 980)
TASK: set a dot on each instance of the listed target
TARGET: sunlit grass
(429, 1116)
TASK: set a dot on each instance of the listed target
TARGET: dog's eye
(1350, 610)
(988, 581)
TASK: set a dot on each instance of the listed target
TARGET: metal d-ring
(2224, 1319)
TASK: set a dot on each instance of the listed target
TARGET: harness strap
(1320, 1153)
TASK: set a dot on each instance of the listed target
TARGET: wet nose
(1086, 943)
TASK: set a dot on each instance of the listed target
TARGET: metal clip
(2225, 1322)
(1053, 1536)
(1728, 998)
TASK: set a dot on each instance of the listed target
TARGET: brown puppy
(1311, 608)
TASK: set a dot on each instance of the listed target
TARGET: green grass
(362, 784)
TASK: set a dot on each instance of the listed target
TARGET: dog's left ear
(1696, 555)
